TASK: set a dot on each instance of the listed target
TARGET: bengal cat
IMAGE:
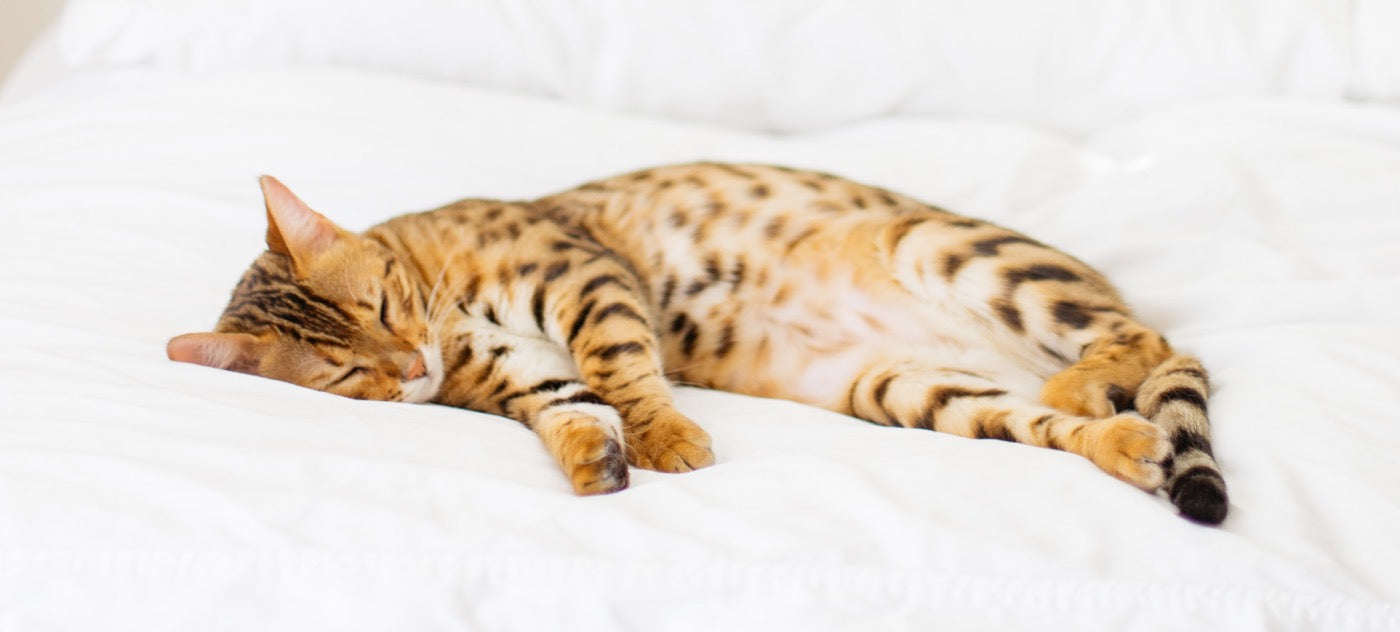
(573, 314)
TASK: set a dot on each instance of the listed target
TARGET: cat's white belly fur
(823, 357)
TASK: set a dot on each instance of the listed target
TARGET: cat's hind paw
(1082, 392)
(1131, 449)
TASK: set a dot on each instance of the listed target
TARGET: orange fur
(574, 313)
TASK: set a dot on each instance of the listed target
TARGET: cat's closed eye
(384, 311)
(352, 372)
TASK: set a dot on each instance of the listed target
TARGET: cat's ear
(235, 352)
(293, 229)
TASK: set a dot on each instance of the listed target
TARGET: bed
(1233, 166)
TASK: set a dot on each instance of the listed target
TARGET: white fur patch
(605, 415)
(425, 388)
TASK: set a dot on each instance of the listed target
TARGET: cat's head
(322, 308)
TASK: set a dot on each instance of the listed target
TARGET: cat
(574, 313)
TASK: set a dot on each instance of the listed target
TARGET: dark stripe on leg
(612, 351)
(618, 309)
(579, 320)
(582, 397)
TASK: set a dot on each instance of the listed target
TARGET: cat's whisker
(437, 284)
(435, 324)
(435, 315)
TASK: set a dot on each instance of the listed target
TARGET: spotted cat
(575, 313)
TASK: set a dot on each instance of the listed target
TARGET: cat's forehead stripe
(293, 310)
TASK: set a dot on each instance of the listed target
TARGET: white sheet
(789, 65)
(136, 493)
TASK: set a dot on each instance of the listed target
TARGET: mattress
(136, 493)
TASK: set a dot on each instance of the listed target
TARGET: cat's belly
(812, 350)
(803, 324)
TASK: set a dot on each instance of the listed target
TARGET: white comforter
(141, 494)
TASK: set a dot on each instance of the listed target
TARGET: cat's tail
(1174, 397)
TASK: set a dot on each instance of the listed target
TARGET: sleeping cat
(575, 313)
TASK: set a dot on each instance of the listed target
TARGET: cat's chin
(425, 388)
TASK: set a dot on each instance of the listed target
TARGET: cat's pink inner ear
(235, 352)
(294, 229)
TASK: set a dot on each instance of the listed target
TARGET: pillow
(786, 65)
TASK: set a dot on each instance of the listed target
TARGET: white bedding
(790, 65)
(141, 494)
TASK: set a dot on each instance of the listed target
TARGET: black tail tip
(1201, 498)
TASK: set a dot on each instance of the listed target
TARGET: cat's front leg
(598, 312)
(584, 436)
(535, 382)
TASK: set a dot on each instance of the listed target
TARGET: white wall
(20, 23)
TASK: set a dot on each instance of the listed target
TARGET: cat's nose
(416, 367)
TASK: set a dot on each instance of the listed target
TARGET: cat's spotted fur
(575, 312)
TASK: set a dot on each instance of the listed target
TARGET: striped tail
(1174, 397)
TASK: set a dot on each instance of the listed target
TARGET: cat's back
(476, 236)
(683, 218)
(695, 196)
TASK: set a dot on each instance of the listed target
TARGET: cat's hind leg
(1068, 318)
(916, 394)
(1113, 361)
(1123, 365)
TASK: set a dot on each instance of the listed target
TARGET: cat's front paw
(669, 442)
(590, 456)
(602, 471)
(1130, 448)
